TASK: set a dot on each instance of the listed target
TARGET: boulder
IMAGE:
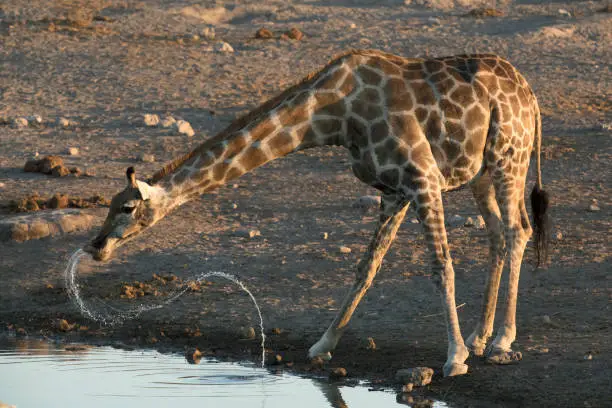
(419, 376)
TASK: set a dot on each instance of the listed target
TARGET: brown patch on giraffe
(475, 117)
(452, 149)
(479, 90)
(398, 98)
(252, 158)
(379, 131)
(421, 114)
(406, 128)
(386, 66)
(515, 104)
(414, 74)
(461, 161)
(281, 144)
(463, 95)
(233, 173)
(366, 111)
(422, 154)
(390, 177)
(262, 129)
(433, 66)
(507, 85)
(219, 170)
(450, 109)
(455, 131)
(368, 75)
(331, 81)
(327, 126)
(423, 93)
(396, 153)
(357, 131)
(181, 176)
(433, 127)
(437, 153)
(370, 95)
(365, 169)
(439, 77)
(349, 85)
(236, 144)
(292, 116)
(444, 86)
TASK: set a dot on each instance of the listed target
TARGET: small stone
(193, 355)
(63, 325)
(244, 233)
(588, 356)
(195, 37)
(324, 235)
(339, 372)
(34, 119)
(73, 151)
(469, 222)
(278, 359)
(404, 398)
(564, 12)
(48, 163)
(353, 26)
(414, 220)
(60, 171)
(184, 128)
(559, 236)
(2, 185)
(151, 119)
(371, 344)
(168, 121)
(367, 202)
(594, 207)
(75, 171)
(222, 46)
(247, 333)
(456, 220)
(276, 331)
(89, 173)
(479, 223)
(146, 158)
(294, 34)
(264, 34)
(32, 166)
(58, 201)
(345, 249)
(419, 376)
(20, 123)
(234, 206)
(407, 387)
(63, 122)
(208, 33)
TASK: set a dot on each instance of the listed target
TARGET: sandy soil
(140, 57)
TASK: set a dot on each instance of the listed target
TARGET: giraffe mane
(249, 117)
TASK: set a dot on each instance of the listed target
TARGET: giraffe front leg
(393, 211)
(431, 212)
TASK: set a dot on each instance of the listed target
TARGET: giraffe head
(132, 210)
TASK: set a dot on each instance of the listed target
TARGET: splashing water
(117, 316)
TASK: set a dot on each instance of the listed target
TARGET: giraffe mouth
(101, 249)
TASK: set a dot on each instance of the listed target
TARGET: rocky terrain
(104, 85)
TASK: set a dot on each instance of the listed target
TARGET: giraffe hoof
(322, 356)
(453, 369)
(504, 357)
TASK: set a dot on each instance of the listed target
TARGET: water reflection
(35, 373)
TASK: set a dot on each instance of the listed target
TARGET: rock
(32, 166)
(367, 202)
(38, 225)
(63, 325)
(58, 201)
(146, 158)
(588, 356)
(193, 355)
(414, 220)
(371, 344)
(294, 34)
(208, 33)
(485, 12)
(48, 163)
(278, 359)
(222, 46)
(264, 34)
(2, 185)
(168, 121)
(407, 387)
(63, 122)
(73, 151)
(479, 223)
(469, 222)
(562, 31)
(345, 250)
(247, 333)
(75, 171)
(20, 123)
(60, 171)
(339, 372)
(151, 119)
(594, 207)
(34, 120)
(564, 12)
(89, 173)
(558, 235)
(244, 233)
(419, 376)
(184, 128)
(324, 235)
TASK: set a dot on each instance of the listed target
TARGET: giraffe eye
(128, 209)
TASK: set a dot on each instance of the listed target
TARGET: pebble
(345, 249)
(588, 356)
(371, 344)
(414, 220)
(294, 34)
(419, 376)
(339, 372)
(564, 12)
(2, 185)
(456, 220)
(151, 119)
(222, 46)
(247, 333)
(353, 25)
(167, 122)
(244, 233)
(60, 171)
(63, 122)
(146, 158)
(73, 151)
(208, 33)
(367, 202)
(193, 355)
(559, 236)
(264, 34)
(20, 123)
(63, 325)
(594, 207)
(184, 128)
(407, 387)
(324, 235)
(35, 119)
(469, 222)
(479, 223)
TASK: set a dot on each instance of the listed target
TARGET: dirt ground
(141, 57)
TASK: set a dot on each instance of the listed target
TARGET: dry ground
(104, 73)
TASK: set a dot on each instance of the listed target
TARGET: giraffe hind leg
(484, 193)
(393, 210)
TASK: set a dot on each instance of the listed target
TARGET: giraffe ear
(131, 176)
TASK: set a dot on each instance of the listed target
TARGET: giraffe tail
(539, 201)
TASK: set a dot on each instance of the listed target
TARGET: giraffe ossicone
(414, 128)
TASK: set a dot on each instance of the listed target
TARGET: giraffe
(415, 128)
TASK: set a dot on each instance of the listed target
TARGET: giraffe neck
(300, 118)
